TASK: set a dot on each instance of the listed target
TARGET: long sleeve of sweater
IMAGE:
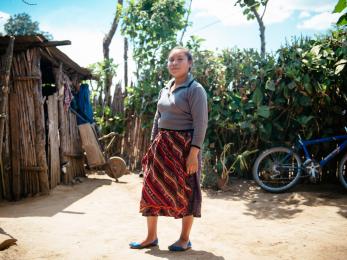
(199, 111)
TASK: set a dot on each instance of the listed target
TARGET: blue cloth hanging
(83, 105)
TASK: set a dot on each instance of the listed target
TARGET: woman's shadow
(189, 254)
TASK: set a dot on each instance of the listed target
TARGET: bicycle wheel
(343, 171)
(277, 169)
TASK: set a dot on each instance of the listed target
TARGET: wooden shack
(40, 145)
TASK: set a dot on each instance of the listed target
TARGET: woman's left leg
(187, 223)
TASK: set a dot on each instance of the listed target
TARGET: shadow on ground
(6, 240)
(59, 199)
(264, 205)
(189, 254)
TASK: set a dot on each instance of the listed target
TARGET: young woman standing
(172, 164)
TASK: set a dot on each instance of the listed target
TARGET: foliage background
(255, 102)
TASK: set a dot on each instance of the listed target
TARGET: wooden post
(40, 126)
(4, 79)
(15, 149)
(58, 74)
(53, 147)
(125, 65)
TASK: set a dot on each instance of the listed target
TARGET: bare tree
(187, 22)
(125, 64)
(250, 9)
(106, 51)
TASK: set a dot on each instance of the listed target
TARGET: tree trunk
(185, 27)
(40, 127)
(125, 65)
(262, 31)
(4, 79)
(58, 74)
(106, 50)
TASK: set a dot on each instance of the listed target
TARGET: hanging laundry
(82, 105)
(67, 92)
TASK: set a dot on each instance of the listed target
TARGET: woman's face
(178, 63)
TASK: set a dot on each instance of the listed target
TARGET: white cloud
(317, 6)
(320, 21)
(3, 19)
(304, 14)
(223, 10)
(86, 46)
(277, 10)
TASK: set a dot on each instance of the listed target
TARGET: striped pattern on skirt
(167, 188)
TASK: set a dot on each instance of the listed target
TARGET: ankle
(184, 239)
(151, 237)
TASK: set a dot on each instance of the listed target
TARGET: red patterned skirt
(167, 188)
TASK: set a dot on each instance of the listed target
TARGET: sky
(219, 22)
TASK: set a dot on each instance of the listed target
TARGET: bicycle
(278, 169)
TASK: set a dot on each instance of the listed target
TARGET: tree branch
(262, 31)
(108, 37)
(264, 9)
(27, 3)
(185, 27)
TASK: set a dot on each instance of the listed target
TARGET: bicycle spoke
(278, 169)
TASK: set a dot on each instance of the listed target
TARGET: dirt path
(98, 218)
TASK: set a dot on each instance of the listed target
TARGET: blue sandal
(136, 245)
(176, 248)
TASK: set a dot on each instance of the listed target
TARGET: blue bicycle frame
(336, 151)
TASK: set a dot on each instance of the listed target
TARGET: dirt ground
(98, 218)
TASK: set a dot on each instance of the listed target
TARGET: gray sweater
(184, 109)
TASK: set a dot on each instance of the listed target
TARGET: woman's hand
(192, 160)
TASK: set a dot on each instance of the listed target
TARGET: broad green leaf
(340, 65)
(216, 117)
(303, 120)
(342, 61)
(305, 101)
(257, 96)
(315, 50)
(308, 87)
(342, 20)
(245, 124)
(286, 92)
(280, 100)
(216, 99)
(278, 126)
(340, 6)
(266, 129)
(263, 111)
(339, 68)
(307, 84)
(270, 85)
(291, 85)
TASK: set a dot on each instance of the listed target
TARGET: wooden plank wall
(27, 169)
(73, 150)
(53, 141)
(71, 154)
(26, 124)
